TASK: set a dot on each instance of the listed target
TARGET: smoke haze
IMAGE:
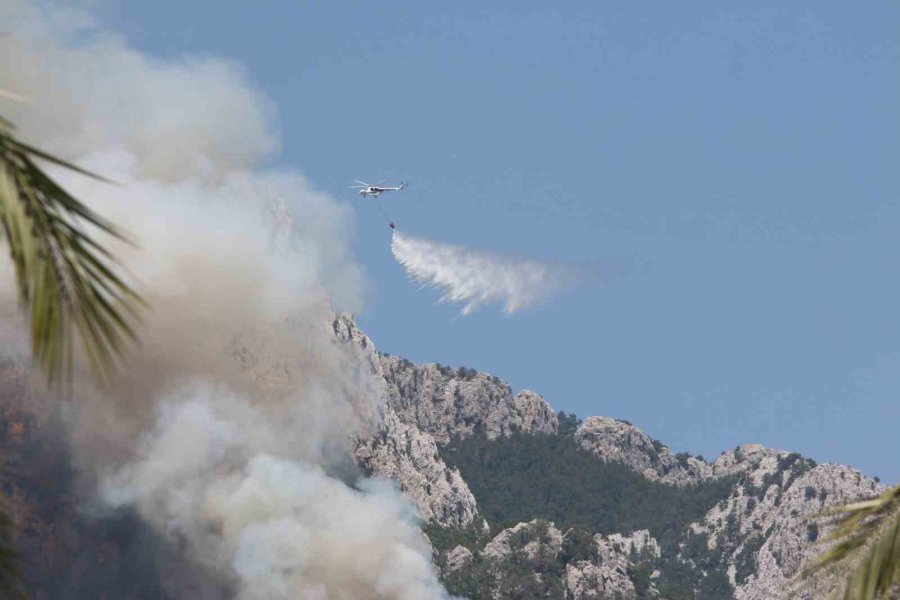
(231, 428)
(474, 277)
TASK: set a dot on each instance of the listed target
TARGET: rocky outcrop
(531, 538)
(346, 331)
(607, 575)
(523, 562)
(446, 402)
(458, 558)
(639, 544)
(537, 560)
(749, 458)
(794, 533)
(586, 580)
(398, 450)
(401, 452)
(766, 529)
(614, 440)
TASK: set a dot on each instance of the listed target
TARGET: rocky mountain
(614, 440)
(748, 545)
(765, 529)
(518, 501)
(447, 402)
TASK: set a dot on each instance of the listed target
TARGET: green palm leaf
(65, 281)
(867, 551)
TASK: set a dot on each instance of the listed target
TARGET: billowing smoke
(230, 429)
(210, 471)
(474, 277)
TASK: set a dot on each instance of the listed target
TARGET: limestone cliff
(614, 440)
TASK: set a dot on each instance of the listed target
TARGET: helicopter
(366, 189)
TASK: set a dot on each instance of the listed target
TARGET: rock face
(428, 404)
(790, 544)
(346, 332)
(639, 543)
(746, 458)
(537, 560)
(531, 539)
(586, 580)
(765, 528)
(458, 558)
(607, 576)
(445, 402)
(402, 452)
(613, 440)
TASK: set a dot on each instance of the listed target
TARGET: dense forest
(543, 476)
(527, 476)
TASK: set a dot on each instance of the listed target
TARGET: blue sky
(733, 168)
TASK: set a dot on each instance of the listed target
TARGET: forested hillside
(548, 477)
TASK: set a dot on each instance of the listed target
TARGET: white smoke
(474, 277)
(211, 471)
(237, 409)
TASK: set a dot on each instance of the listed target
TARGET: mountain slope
(741, 528)
(518, 501)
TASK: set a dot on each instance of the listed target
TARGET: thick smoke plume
(474, 277)
(230, 430)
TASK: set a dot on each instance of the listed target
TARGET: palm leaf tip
(867, 547)
(65, 282)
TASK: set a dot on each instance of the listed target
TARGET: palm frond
(65, 281)
(867, 548)
(32, 151)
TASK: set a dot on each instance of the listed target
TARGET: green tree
(867, 548)
(640, 576)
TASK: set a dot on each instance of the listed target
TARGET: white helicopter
(366, 189)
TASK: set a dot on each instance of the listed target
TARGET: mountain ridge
(751, 543)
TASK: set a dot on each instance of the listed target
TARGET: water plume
(474, 277)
